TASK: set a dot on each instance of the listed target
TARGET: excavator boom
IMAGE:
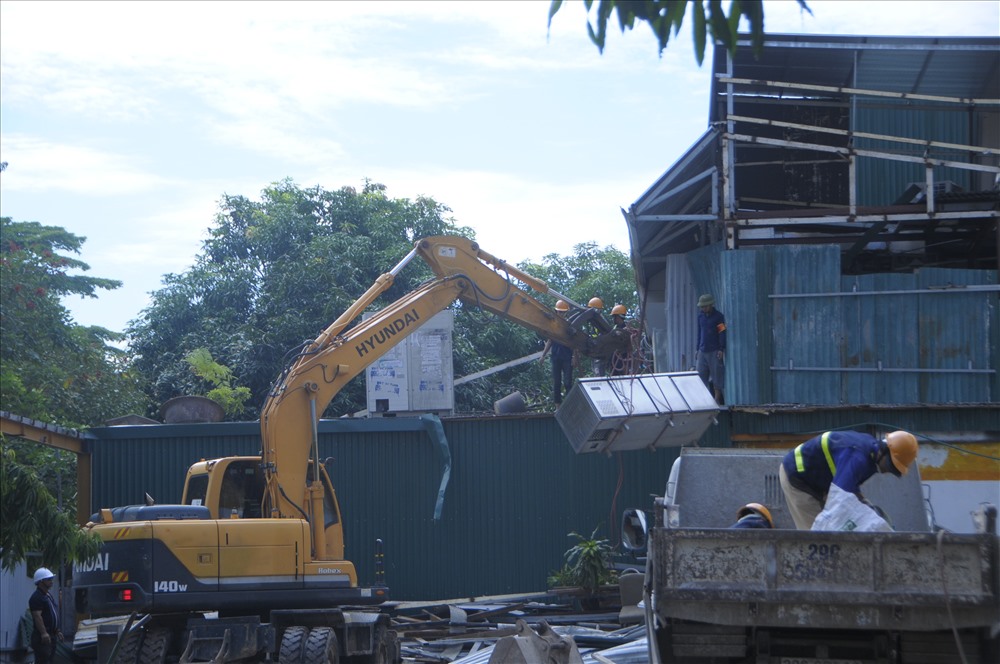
(462, 272)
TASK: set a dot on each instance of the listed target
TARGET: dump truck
(252, 564)
(716, 594)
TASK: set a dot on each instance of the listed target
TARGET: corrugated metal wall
(799, 332)
(675, 351)
(882, 181)
(515, 492)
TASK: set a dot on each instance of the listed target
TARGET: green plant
(562, 577)
(232, 399)
(589, 562)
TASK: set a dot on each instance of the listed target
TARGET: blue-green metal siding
(515, 491)
(882, 181)
(868, 339)
(878, 332)
(750, 351)
(806, 331)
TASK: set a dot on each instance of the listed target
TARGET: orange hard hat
(618, 310)
(902, 449)
(562, 306)
(755, 507)
(596, 303)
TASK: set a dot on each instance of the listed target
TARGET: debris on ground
(512, 629)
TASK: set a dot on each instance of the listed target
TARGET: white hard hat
(43, 573)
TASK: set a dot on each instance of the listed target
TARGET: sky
(126, 123)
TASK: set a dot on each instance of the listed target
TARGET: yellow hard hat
(596, 303)
(618, 310)
(902, 449)
(755, 507)
(562, 306)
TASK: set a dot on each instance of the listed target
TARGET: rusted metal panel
(954, 331)
(788, 578)
(807, 331)
(879, 340)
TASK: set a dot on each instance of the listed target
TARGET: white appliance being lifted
(621, 413)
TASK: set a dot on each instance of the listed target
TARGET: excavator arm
(463, 272)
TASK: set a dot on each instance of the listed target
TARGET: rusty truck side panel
(785, 578)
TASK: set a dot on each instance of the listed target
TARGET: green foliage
(53, 370)
(590, 272)
(562, 578)
(708, 19)
(588, 564)
(50, 368)
(32, 520)
(276, 272)
(232, 399)
(272, 275)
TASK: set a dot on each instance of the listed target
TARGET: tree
(232, 399)
(272, 275)
(33, 522)
(667, 16)
(53, 370)
(589, 272)
(275, 272)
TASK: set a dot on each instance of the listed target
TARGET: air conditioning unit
(621, 413)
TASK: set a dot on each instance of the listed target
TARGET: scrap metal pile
(516, 629)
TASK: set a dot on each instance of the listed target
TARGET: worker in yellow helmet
(564, 359)
(620, 362)
(842, 458)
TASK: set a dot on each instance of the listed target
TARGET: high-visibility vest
(800, 464)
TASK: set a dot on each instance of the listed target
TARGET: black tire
(155, 645)
(293, 644)
(321, 647)
(128, 647)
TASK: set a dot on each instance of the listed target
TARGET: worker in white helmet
(45, 616)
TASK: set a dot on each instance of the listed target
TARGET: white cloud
(126, 122)
(42, 165)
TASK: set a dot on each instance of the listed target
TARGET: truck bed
(901, 581)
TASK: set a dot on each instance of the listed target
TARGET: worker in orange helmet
(753, 515)
(842, 458)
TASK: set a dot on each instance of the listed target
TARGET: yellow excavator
(251, 564)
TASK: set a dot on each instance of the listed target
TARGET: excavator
(252, 564)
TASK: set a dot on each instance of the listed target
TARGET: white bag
(843, 511)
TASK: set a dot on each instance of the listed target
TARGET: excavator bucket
(530, 647)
